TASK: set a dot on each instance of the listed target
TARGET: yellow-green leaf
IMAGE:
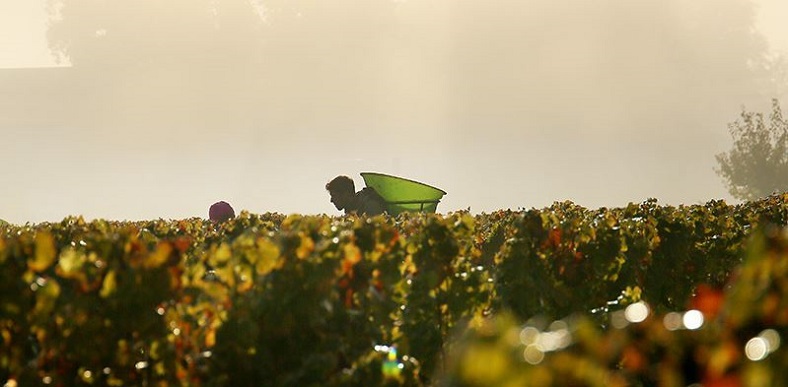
(45, 252)
(159, 256)
(2, 251)
(70, 263)
(306, 247)
(270, 257)
(484, 365)
(46, 297)
(109, 285)
(352, 253)
(222, 254)
(245, 277)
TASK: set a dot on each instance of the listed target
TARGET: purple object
(221, 211)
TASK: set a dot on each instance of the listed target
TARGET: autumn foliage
(554, 296)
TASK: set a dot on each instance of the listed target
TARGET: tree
(757, 165)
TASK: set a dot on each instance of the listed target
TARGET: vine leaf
(270, 257)
(45, 252)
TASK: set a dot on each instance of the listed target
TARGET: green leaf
(44, 253)
(109, 285)
(270, 257)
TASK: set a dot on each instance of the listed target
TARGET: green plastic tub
(404, 195)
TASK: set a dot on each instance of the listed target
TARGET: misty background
(157, 109)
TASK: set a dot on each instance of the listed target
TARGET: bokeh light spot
(559, 325)
(693, 319)
(672, 321)
(772, 339)
(619, 319)
(529, 335)
(637, 312)
(756, 349)
(533, 354)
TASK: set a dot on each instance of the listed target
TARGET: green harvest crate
(404, 195)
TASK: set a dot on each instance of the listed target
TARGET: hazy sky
(503, 104)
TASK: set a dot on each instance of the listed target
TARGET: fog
(162, 108)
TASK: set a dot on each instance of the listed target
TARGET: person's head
(342, 190)
(220, 212)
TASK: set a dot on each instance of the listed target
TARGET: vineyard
(641, 295)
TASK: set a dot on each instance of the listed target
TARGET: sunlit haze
(157, 109)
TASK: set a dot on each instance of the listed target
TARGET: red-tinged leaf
(210, 338)
(632, 359)
(376, 282)
(553, 238)
(176, 273)
(347, 268)
(394, 238)
(724, 381)
(182, 244)
(708, 300)
(349, 298)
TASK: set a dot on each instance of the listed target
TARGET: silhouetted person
(344, 196)
(221, 211)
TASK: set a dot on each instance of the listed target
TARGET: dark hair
(341, 183)
(221, 211)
